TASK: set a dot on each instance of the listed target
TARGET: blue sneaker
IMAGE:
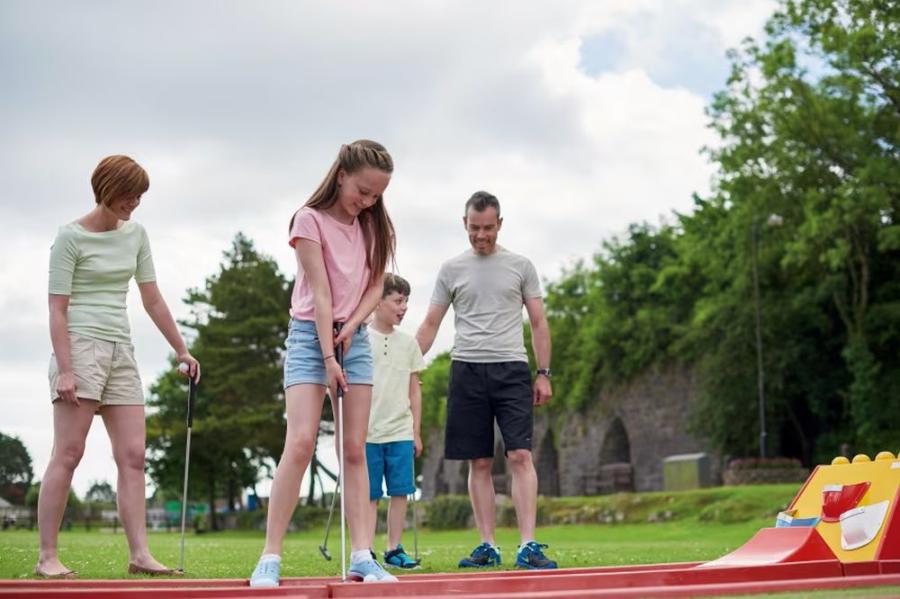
(531, 557)
(369, 571)
(483, 556)
(397, 558)
(265, 575)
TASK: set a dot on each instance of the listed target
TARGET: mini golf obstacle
(842, 530)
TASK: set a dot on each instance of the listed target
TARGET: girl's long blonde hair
(377, 228)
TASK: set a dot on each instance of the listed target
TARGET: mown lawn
(623, 529)
(233, 554)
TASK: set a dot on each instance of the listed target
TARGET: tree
(239, 318)
(819, 144)
(15, 469)
(31, 499)
(100, 492)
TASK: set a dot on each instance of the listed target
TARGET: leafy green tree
(73, 503)
(810, 125)
(100, 492)
(15, 469)
(434, 380)
(240, 318)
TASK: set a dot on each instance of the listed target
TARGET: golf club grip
(192, 395)
(339, 351)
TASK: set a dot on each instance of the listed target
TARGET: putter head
(324, 551)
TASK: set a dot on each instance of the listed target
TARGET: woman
(93, 370)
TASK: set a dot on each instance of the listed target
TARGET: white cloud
(237, 112)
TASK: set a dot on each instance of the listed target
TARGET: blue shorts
(392, 462)
(303, 361)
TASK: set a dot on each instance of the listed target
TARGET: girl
(92, 369)
(343, 239)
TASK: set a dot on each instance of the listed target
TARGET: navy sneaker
(531, 557)
(483, 556)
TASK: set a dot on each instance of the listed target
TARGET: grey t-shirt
(487, 294)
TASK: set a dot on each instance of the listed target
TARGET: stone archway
(547, 466)
(616, 447)
(616, 473)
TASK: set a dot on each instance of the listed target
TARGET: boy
(395, 417)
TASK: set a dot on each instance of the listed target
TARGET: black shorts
(479, 393)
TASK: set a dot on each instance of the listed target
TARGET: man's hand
(417, 443)
(541, 390)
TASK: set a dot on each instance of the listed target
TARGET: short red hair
(118, 176)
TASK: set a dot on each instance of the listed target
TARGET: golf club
(323, 548)
(192, 393)
(339, 356)
(415, 523)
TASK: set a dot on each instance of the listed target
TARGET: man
(489, 374)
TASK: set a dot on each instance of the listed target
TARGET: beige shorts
(105, 371)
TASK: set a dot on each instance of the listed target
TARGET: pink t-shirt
(344, 251)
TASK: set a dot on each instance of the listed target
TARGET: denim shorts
(303, 361)
(391, 462)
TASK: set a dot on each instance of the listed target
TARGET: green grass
(622, 529)
(233, 554)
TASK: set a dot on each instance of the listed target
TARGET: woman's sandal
(136, 569)
(68, 574)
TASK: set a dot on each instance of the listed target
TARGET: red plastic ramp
(778, 546)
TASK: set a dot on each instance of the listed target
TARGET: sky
(581, 116)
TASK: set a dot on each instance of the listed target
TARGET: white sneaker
(265, 575)
(369, 571)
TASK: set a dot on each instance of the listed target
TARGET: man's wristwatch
(543, 371)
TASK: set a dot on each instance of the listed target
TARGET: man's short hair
(394, 283)
(481, 201)
(118, 176)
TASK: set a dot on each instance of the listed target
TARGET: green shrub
(449, 512)
(309, 516)
(253, 520)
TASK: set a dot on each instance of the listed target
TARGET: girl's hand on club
(335, 375)
(65, 388)
(345, 337)
(541, 390)
(189, 366)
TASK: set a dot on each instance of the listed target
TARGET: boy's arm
(415, 406)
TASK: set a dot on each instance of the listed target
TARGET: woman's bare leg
(70, 428)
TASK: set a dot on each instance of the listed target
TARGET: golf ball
(183, 367)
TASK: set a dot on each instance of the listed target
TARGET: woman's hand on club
(65, 388)
(189, 366)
